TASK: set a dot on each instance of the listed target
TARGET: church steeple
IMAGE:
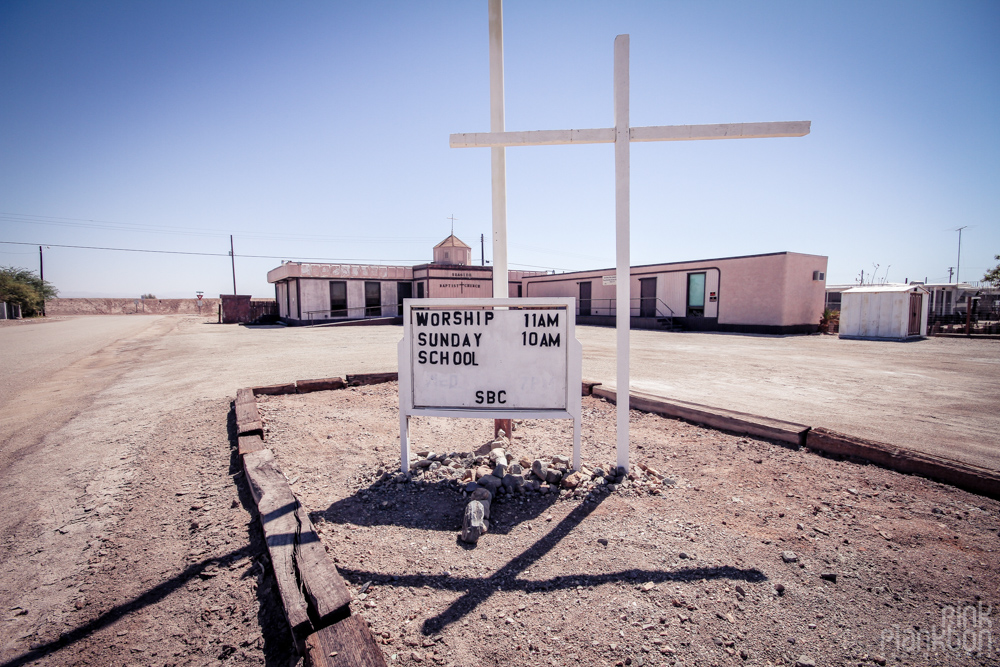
(452, 251)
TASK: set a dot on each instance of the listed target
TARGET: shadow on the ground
(430, 506)
(150, 597)
(278, 647)
(412, 509)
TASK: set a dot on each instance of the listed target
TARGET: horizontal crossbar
(606, 135)
(795, 128)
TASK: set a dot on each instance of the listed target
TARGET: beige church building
(312, 293)
(772, 293)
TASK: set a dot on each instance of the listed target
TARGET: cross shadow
(478, 590)
(151, 596)
(278, 646)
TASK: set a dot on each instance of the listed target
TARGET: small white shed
(884, 312)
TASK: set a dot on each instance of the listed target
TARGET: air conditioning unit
(819, 275)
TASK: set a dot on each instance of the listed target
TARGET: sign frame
(574, 371)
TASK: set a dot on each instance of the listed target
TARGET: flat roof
(688, 261)
(892, 287)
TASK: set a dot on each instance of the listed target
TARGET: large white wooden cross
(620, 135)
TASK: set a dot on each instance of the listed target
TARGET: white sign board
(490, 358)
(609, 280)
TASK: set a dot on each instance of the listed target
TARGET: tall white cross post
(620, 135)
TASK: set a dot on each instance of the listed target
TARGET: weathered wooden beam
(276, 507)
(325, 384)
(249, 444)
(248, 419)
(327, 593)
(245, 395)
(275, 389)
(348, 643)
(963, 475)
(726, 420)
(371, 378)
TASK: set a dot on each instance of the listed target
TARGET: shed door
(647, 297)
(916, 305)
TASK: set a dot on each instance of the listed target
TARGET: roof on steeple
(452, 242)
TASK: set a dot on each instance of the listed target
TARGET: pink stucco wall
(770, 290)
(773, 290)
(805, 298)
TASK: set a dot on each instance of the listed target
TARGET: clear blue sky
(320, 130)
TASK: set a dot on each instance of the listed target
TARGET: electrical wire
(206, 254)
(25, 218)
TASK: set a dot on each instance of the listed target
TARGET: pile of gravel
(493, 470)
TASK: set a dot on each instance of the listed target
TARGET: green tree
(24, 287)
(993, 275)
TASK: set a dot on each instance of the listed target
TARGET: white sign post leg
(404, 442)
(405, 392)
(498, 157)
(623, 309)
(574, 399)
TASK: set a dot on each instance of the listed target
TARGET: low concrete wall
(209, 307)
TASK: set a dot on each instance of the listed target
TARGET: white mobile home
(772, 293)
(884, 312)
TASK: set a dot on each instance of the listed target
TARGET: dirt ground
(886, 567)
(162, 566)
(120, 542)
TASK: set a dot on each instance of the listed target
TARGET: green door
(696, 295)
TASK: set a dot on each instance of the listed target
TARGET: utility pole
(232, 255)
(482, 249)
(951, 270)
(41, 274)
(958, 264)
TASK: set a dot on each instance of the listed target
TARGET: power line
(207, 254)
(226, 254)
(27, 218)
(535, 266)
(90, 247)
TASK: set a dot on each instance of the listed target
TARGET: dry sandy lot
(125, 536)
(694, 575)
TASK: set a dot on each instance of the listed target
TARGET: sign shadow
(508, 578)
